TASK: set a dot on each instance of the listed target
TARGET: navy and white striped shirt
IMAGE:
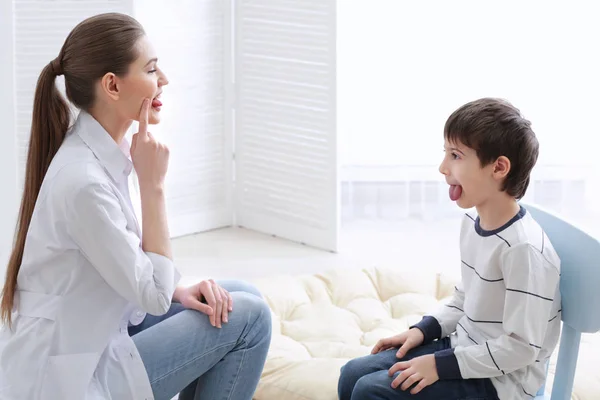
(504, 318)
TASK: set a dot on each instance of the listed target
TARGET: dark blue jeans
(366, 378)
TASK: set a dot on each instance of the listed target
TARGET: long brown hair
(98, 45)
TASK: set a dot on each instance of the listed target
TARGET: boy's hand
(406, 341)
(421, 370)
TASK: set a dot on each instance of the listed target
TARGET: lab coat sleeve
(97, 224)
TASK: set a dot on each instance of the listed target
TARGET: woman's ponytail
(50, 122)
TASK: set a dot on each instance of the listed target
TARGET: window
(412, 63)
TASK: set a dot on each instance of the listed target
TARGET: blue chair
(580, 293)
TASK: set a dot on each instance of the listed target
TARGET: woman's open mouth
(156, 103)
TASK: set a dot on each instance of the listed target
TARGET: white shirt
(83, 279)
(506, 311)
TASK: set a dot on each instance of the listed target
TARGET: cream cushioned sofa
(321, 321)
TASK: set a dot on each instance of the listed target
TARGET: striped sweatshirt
(504, 317)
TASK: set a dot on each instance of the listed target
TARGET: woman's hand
(208, 298)
(150, 157)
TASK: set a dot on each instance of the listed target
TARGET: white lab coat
(83, 279)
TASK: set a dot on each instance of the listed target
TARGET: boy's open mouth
(455, 192)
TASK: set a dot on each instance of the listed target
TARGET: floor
(243, 254)
(417, 242)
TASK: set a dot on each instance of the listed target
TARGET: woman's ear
(501, 167)
(109, 85)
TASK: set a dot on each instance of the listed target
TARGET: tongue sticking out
(156, 103)
(455, 192)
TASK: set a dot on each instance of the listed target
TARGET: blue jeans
(183, 353)
(367, 378)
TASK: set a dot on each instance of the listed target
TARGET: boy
(492, 340)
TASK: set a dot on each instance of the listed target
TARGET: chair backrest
(580, 270)
(580, 295)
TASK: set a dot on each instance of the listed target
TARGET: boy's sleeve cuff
(447, 364)
(430, 327)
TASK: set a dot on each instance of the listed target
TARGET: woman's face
(143, 81)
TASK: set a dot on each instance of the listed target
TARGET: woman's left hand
(208, 298)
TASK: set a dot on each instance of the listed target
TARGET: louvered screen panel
(8, 138)
(40, 29)
(285, 127)
(191, 39)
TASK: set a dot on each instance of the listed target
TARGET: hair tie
(56, 67)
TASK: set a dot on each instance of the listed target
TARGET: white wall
(190, 39)
(407, 68)
(8, 161)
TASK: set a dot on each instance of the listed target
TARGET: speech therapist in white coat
(91, 307)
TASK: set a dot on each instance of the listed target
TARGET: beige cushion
(322, 321)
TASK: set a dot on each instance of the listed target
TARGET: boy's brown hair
(493, 128)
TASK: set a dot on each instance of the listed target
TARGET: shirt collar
(115, 158)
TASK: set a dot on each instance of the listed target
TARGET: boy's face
(470, 184)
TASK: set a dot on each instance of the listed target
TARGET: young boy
(492, 340)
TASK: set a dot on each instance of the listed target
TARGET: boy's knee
(357, 367)
(350, 373)
(344, 391)
(377, 385)
(348, 369)
(364, 388)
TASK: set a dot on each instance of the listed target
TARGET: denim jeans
(183, 353)
(367, 378)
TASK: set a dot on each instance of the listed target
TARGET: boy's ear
(501, 167)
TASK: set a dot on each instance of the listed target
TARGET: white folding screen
(193, 46)
(285, 119)
(8, 162)
(40, 29)
(250, 78)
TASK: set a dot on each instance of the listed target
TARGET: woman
(83, 273)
